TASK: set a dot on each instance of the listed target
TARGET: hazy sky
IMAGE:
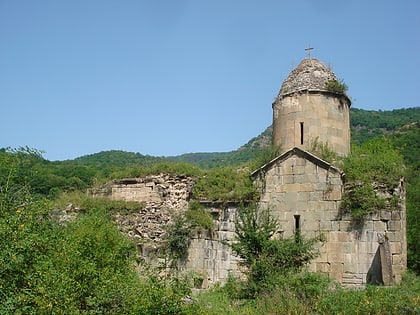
(166, 77)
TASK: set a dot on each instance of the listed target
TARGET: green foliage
(413, 224)
(375, 161)
(323, 150)
(224, 184)
(266, 155)
(84, 267)
(312, 293)
(268, 258)
(199, 217)
(401, 299)
(178, 236)
(362, 200)
(26, 236)
(164, 297)
(183, 227)
(367, 124)
(90, 272)
(336, 86)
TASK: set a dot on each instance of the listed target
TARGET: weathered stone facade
(210, 254)
(305, 111)
(304, 194)
(162, 196)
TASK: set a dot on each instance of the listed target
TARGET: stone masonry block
(325, 225)
(395, 215)
(336, 181)
(316, 195)
(334, 252)
(337, 268)
(385, 215)
(333, 195)
(335, 225)
(362, 248)
(299, 179)
(368, 225)
(350, 263)
(298, 169)
(345, 225)
(379, 226)
(395, 247)
(394, 225)
(287, 179)
(328, 215)
(300, 162)
(349, 248)
(308, 187)
(303, 196)
(396, 259)
(394, 236)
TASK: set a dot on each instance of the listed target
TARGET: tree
(265, 256)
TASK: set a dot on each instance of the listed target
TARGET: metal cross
(308, 51)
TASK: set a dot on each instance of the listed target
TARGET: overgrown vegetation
(183, 227)
(86, 267)
(224, 184)
(268, 257)
(376, 161)
(309, 293)
(336, 86)
(82, 267)
(324, 151)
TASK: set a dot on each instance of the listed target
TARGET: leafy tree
(266, 257)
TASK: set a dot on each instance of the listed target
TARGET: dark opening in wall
(301, 132)
(297, 227)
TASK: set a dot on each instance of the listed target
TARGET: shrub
(375, 161)
(224, 184)
(336, 86)
(265, 257)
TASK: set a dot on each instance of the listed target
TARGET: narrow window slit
(297, 228)
(301, 133)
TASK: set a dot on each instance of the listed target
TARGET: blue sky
(167, 77)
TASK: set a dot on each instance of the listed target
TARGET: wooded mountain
(365, 125)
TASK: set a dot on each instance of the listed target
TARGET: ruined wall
(210, 254)
(163, 195)
(306, 196)
(301, 193)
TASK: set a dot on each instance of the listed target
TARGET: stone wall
(302, 193)
(313, 116)
(162, 196)
(210, 254)
(305, 194)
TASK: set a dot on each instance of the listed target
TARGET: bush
(224, 184)
(265, 257)
(336, 86)
(375, 161)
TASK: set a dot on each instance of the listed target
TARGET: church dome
(310, 74)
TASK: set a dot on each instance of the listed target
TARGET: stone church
(305, 192)
(302, 191)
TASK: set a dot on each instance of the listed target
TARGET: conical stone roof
(310, 74)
